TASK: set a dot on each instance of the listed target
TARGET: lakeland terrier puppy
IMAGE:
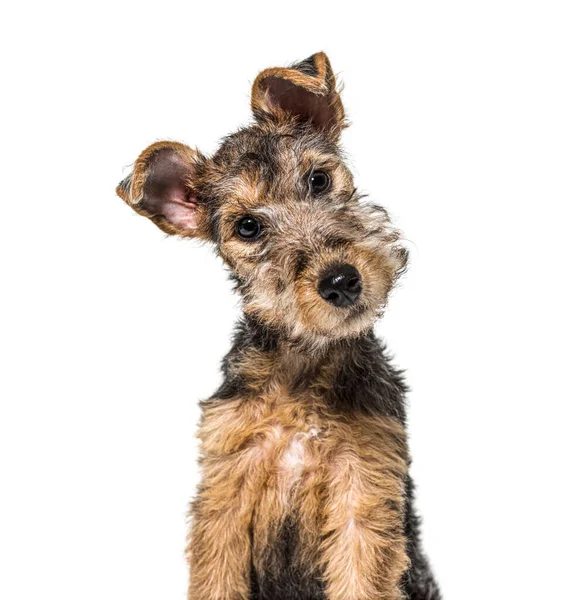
(305, 491)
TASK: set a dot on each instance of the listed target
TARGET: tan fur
(364, 544)
(273, 454)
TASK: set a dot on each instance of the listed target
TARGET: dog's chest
(292, 453)
(286, 443)
(278, 438)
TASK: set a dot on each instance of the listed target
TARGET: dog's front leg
(364, 545)
(219, 549)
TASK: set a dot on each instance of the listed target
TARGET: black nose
(340, 285)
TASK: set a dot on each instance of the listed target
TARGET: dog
(305, 491)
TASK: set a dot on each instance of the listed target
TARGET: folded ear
(306, 91)
(161, 187)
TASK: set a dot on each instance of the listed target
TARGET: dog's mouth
(340, 323)
(356, 311)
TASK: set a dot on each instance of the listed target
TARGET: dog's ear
(306, 91)
(161, 187)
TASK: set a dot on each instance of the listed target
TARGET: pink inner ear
(299, 102)
(178, 210)
(166, 192)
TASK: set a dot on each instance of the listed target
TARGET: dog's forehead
(271, 152)
(267, 168)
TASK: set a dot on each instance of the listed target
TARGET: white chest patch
(296, 456)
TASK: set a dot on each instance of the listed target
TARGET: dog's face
(310, 258)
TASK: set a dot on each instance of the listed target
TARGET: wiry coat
(305, 491)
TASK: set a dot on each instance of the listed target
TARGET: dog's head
(311, 259)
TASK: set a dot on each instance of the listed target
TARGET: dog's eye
(318, 182)
(248, 228)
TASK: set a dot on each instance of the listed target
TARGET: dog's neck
(314, 352)
(351, 374)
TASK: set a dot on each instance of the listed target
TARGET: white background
(111, 333)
